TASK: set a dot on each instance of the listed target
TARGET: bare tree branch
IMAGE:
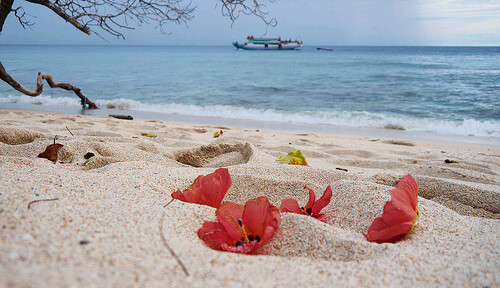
(234, 8)
(21, 17)
(72, 20)
(39, 86)
(114, 16)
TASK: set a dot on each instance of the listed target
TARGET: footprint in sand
(465, 198)
(101, 134)
(216, 155)
(399, 142)
(347, 153)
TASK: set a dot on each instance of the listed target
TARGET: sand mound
(16, 136)
(302, 236)
(481, 196)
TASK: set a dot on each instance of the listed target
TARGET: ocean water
(441, 90)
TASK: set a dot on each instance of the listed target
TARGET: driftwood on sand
(86, 103)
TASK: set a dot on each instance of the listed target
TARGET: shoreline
(375, 133)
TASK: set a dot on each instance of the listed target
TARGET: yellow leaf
(149, 135)
(218, 133)
(293, 158)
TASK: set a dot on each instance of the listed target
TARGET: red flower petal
(320, 217)
(312, 198)
(227, 229)
(191, 194)
(291, 205)
(207, 190)
(225, 183)
(323, 201)
(230, 217)
(380, 232)
(406, 194)
(215, 234)
(312, 207)
(261, 218)
(400, 214)
(394, 215)
(404, 202)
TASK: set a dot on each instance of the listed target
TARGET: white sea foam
(339, 118)
(41, 100)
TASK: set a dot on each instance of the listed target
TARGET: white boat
(268, 44)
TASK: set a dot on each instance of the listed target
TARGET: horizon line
(223, 45)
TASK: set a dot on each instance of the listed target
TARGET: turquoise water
(447, 90)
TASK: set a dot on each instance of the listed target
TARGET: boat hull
(252, 46)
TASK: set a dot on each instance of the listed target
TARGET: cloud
(459, 8)
(463, 21)
(462, 8)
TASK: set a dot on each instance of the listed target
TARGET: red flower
(207, 190)
(242, 229)
(400, 214)
(312, 207)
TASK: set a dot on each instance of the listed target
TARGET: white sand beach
(102, 220)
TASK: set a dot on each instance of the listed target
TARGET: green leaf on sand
(293, 158)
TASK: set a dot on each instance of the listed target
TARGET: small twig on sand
(168, 246)
(41, 200)
(169, 203)
(69, 131)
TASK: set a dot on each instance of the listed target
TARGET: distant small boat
(325, 49)
(268, 44)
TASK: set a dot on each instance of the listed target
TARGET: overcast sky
(316, 22)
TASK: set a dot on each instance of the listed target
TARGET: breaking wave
(466, 127)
